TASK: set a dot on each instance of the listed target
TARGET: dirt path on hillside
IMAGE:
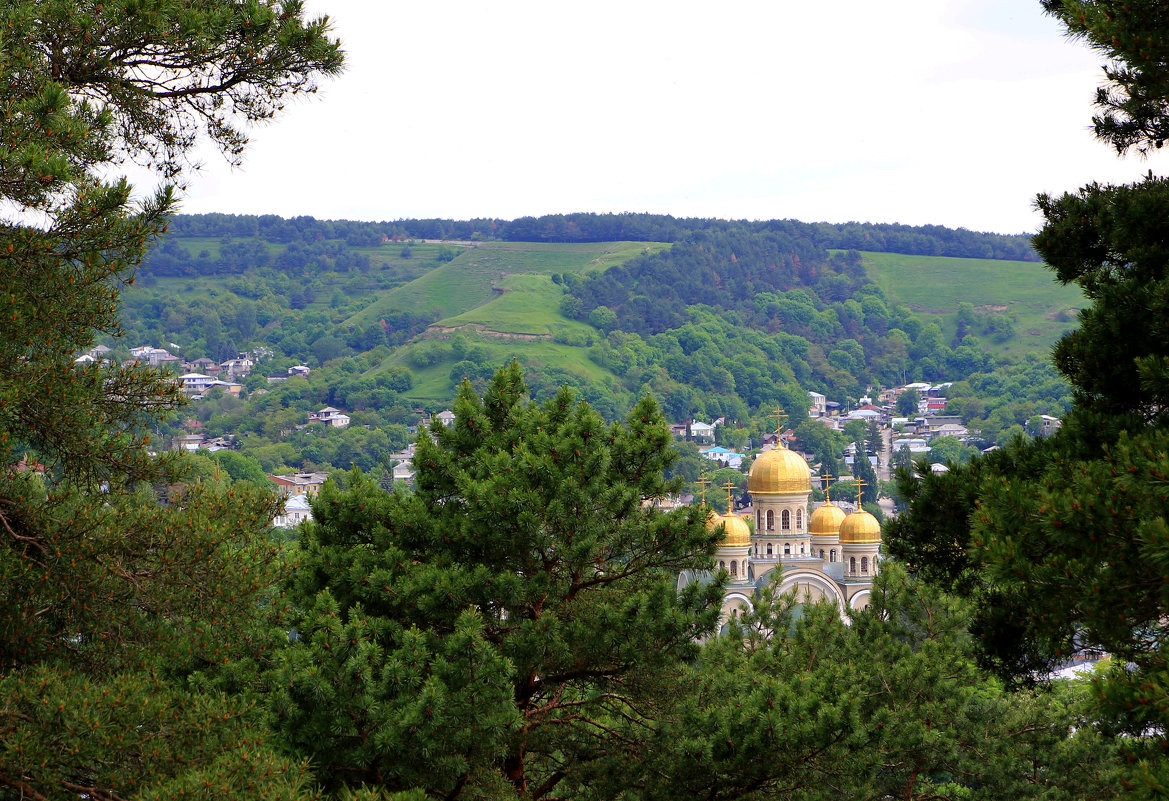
(444, 331)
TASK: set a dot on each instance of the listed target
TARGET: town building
(299, 483)
(329, 416)
(297, 509)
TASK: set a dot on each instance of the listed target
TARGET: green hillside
(1038, 307)
(507, 284)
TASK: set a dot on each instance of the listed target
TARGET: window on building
(832, 555)
(770, 520)
(799, 518)
(785, 520)
(864, 564)
(734, 568)
(787, 549)
(852, 564)
(821, 553)
(769, 553)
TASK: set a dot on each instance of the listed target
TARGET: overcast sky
(954, 112)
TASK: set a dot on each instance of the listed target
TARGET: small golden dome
(860, 527)
(779, 470)
(737, 532)
(826, 520)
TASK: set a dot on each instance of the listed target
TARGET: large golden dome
(826, 520)
(779, 470)
(737, 532)
(860, 527)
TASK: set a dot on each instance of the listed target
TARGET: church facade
(825, 555)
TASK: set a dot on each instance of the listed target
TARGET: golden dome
(779, 470)
(860, 527)
(737, 532)
(826, 520)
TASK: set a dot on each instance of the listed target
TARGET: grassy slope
(469, 282)
(503, 288)
(933, 286)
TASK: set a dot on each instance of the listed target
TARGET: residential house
(187, 442)
(203, 365)
(228, 387)
(196, 383)
(155, 357)
(819, 405)
(299, 483)
(329, 416)
(724, 455)
(240, 366)
(296, 511)
(702, 432)
(1048, 425)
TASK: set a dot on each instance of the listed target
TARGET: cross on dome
(703, 482)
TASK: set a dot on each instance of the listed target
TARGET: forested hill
(927, 240)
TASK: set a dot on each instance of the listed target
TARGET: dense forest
(934, 240)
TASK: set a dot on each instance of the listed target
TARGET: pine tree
(513, 626)
(803, 704)
(122, 620)
(1063, 542)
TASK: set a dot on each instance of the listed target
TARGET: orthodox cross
(827, 481)
(703, 482)
(779, 418)
(730, 504)
(860, 485)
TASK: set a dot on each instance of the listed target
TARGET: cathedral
(823, 555)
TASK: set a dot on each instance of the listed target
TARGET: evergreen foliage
(122, 619)
(1062, 541)
(517, 616)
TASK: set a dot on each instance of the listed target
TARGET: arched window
(864, 564)
(832, 555)
(722, 564)
(769, 553)
(787, 549)
(799, 519)
(734, 568)
(759, 520)
(852, 564)
(801, 549)
(770, 520)
(821, 553)
(785, 520)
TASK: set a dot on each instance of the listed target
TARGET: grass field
(1039, 308)
(471, 279)
(501, 296)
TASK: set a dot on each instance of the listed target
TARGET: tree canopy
(125, 596)
(1063, 541)
(518, 613)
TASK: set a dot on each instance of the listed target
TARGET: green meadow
(511, 281)
(1039, 308)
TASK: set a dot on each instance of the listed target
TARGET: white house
(296, 511)
(196, 383)
(329, 416)
(704, 432)
(819, 405)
